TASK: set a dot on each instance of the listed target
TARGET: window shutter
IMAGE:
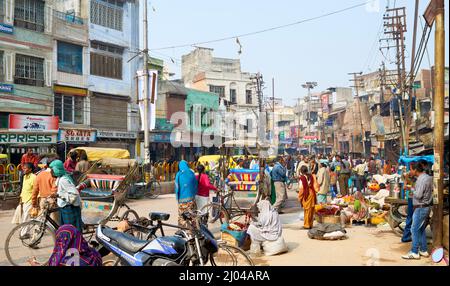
(48, 18)
(48, 72)
(9, 66)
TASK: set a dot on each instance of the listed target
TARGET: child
(333, 182)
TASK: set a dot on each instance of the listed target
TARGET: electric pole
(357, 85)
(438, 105)
(395, 27)
(145, 85)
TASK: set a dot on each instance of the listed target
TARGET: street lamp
(309, 85)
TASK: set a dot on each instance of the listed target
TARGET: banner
(152, 93)
(33, 123)
(77, 135)
(325, 109)
(310, 139)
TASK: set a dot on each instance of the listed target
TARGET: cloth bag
(17, 217)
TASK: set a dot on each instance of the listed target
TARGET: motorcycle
(193, 245)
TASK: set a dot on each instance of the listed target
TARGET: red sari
(307, 198)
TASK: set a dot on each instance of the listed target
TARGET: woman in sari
(307, 196)
(358, 211)
(186, 188)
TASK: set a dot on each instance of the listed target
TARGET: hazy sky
(323, 50)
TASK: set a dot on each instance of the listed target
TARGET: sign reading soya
(13, 138)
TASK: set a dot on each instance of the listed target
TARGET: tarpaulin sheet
(95, 153)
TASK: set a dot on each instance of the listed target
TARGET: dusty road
(364, 246)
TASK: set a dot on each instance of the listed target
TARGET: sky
(323, 50)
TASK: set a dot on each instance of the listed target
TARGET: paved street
(365, 245)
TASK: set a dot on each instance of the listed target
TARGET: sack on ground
(274, 247)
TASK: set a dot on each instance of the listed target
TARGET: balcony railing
(69, 18)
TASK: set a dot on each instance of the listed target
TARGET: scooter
(188, 246)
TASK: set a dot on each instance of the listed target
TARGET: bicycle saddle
(158, 216)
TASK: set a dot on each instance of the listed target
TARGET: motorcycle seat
(125, 241)
(159, 216)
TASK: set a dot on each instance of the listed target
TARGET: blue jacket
(186, 185)
(278, 173)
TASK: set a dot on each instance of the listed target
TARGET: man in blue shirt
(278, 175)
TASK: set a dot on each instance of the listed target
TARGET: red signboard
(33, 123)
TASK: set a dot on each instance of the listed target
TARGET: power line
(265, 30)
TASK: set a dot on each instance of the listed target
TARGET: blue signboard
(6, 28)
(329, 122)
(6, 88)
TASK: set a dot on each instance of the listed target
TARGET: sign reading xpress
(13, 138)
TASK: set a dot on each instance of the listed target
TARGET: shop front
(29, 131)
(116, 139)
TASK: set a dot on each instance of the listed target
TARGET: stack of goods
(234, 233)
(327, 232)
(327, 213)
(377, 217)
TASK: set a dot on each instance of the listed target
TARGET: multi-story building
(114, 39)
(26, 74)
(202, 71)
(69, 59)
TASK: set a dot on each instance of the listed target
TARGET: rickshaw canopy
(95, 153)
(3, 156)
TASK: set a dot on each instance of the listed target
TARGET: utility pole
(395, 27)
(146, 95)
(357, 85)
(438, 105)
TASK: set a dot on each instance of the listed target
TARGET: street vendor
(380, 196)
(267, 227)
(358, 211)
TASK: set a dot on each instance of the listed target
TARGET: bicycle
(36, 238)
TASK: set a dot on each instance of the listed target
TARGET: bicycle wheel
(229, 255)
(129, 215)
(28, 240)
(217, 215)
(155, 190)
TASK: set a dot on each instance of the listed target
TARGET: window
(107, 13)
(69, 108)
(233, 95)
(248, 96)
(70, 58)
(106, 60)
(29, 14)
(2, 77)
(2, 11)
(29, 70)
(220, 90)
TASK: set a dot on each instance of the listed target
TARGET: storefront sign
(77, 135)
(33, 123)
(9, 88)
(6, 28)
(15, 138)
(310, 139)
(161, 138)
(116, 134)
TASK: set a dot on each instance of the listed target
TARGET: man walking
(44, 187)
(22, 213)
(278, 175)
(422, 203)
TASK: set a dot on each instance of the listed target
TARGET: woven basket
(229, 239)
(328, 219)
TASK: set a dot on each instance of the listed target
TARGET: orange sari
(307, 198)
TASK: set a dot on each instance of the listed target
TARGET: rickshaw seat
(101, 185)
(159, 216)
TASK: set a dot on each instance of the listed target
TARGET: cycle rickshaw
(103, 191)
